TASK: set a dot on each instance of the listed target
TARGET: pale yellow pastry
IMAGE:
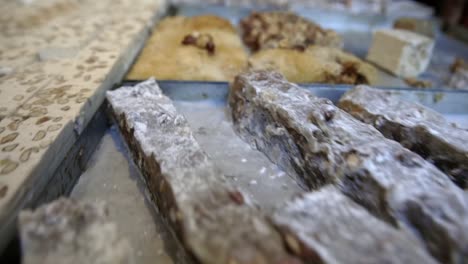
(204, 48)
(315, 65)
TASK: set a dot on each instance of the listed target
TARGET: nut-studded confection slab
(66, 231)
(213, 220)
(57, 58)
(327, 227)
(416, 127)
(285, 30)
(314, 140)
(403, 53)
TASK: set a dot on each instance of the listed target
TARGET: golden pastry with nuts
(285, 30)
(315, 65)
(200, 48)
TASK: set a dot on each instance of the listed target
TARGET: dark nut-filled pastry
(315, 65)
(285, 30)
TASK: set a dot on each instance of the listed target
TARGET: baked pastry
(285, 30)
(204, 48)
(315, 65)
(458, 78)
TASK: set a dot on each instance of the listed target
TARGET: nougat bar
(416, 127)
(327, 227)
(69, 232)
(401, 52)
(214, 221)
(313, 140)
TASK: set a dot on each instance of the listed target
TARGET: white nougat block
(401, 52)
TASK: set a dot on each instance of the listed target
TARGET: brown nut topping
(201, 41)
(236, 197)
(457, 64)
(286, 31)
(418, 83)
(189, 40)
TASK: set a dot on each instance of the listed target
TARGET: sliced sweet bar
(416, 127)
(66, 231)
(212, 219)
(401, 52)
(327, 227)
(312, 139)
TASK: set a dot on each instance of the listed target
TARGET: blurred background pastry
(202, 48)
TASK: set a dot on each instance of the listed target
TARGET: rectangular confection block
(314, 140)
(416, 127)
(215, 221)
(66, 231)
(401, 52)
(327, 227)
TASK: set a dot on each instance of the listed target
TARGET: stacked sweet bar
(416, 127)
(400, 206)
(213, 219)
(321, 144)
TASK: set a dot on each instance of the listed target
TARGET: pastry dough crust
(315, 65)
(166, 58)
(269, 30)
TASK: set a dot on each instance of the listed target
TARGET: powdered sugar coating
(213, 219)
(415, 126)
(322, 144)
(340, 231)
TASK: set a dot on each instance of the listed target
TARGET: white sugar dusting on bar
(325, 226)
(69, 232)
(416, 127)
(213, 220)
(314, 140)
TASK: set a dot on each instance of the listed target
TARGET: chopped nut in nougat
(326, 227)
(214, 220)
(285, 30)
(321, 148)
(417, 127)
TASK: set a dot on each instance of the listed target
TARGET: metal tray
(356, 30)
(203, 104)
(448, 102)
(110, 175)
